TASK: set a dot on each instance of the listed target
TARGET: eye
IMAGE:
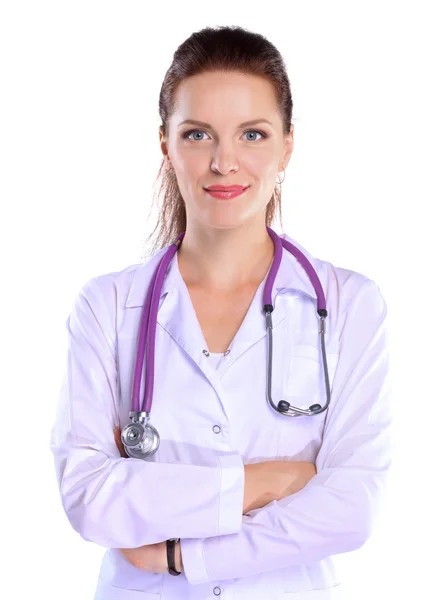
(256, 131)
(188, 133)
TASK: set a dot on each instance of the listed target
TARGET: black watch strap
(170, 553)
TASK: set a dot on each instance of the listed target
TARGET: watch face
(174, 540)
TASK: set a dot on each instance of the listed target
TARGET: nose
(224, 160)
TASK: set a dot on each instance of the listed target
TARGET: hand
(151, 558)
(118, 441)
(289, 477)
(273, 480)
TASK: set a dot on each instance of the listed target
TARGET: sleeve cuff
(230, 517)
(193, 562)
(232, 491)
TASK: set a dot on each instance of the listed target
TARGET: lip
(226, 188)
(226, 194)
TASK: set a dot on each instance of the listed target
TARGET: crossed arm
(333, 514)
(282, 477)
(337, 509)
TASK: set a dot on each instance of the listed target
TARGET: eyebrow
(245, 124)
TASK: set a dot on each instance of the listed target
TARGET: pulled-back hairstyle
(226, 49)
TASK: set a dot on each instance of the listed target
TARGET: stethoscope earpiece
(283, 407)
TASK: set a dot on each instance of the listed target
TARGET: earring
(284, 175)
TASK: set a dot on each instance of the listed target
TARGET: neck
(223, 260)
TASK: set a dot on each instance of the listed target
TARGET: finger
(119, 443)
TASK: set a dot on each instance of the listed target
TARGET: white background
(79, 153)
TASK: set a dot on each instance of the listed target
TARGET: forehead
(215, 95)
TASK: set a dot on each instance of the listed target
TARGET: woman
(258, 501)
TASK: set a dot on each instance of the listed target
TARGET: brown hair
(224, 49)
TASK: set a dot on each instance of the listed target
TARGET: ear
(288, 148)
(163, 143)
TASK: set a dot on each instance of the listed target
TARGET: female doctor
(223, 428)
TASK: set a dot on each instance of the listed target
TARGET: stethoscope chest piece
(139, 438)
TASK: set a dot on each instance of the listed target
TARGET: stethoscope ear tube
(284, 407)
(140, 439)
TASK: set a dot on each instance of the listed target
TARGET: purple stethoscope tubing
(147, 332)
(146, 337)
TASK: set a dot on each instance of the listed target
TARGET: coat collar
(291, 275)
(176, 314)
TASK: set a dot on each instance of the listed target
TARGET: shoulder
(116, 285)
(343, 287)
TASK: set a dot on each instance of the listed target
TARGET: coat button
(205, 352)
(216, 429)
(217, 591)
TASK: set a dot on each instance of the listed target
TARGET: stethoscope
(140, 438)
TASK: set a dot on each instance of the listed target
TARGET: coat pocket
(304, 384)
(106, 591)
(331, 593)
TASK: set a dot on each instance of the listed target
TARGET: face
(223, 152)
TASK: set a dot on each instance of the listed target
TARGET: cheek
(264, 176)
(185, 161)
(261, 161)
(189, 176)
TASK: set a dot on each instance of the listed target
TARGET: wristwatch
(170, 553)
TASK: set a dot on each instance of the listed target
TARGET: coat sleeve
(336, 511)
(126, 502)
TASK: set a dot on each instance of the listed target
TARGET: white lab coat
(213, 417)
